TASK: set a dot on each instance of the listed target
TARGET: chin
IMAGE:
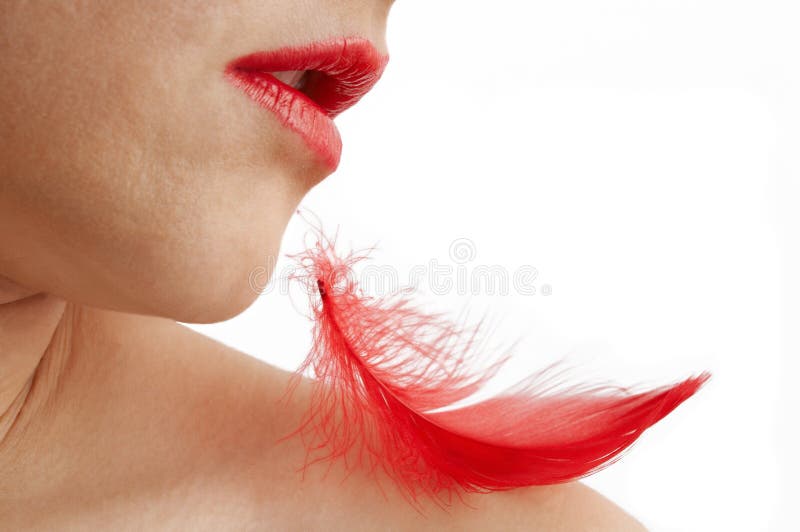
(206, 291)
(200, 267)
(214, 307)
(214, 282)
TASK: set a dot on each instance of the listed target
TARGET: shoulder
(571, 506)
(261, 415)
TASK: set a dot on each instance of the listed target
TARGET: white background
(643, 157)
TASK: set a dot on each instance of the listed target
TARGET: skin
(138, 188)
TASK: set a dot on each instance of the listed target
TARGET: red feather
(384, 368)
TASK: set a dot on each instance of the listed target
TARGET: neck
(28, 323)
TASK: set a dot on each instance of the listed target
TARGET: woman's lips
(307, 86)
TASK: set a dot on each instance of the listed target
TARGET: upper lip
(337, 73)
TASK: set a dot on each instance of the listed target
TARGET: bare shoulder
(327, 494)
(566, 507)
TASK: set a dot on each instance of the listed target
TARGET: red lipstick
(307, 86)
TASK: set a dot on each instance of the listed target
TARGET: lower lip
(295, 111)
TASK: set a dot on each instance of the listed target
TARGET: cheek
(134, 176)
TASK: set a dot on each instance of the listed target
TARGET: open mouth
(296, 79)
(307, 86)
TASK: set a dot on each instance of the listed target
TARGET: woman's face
(133, 174)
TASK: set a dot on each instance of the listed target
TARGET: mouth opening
(306, 82)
